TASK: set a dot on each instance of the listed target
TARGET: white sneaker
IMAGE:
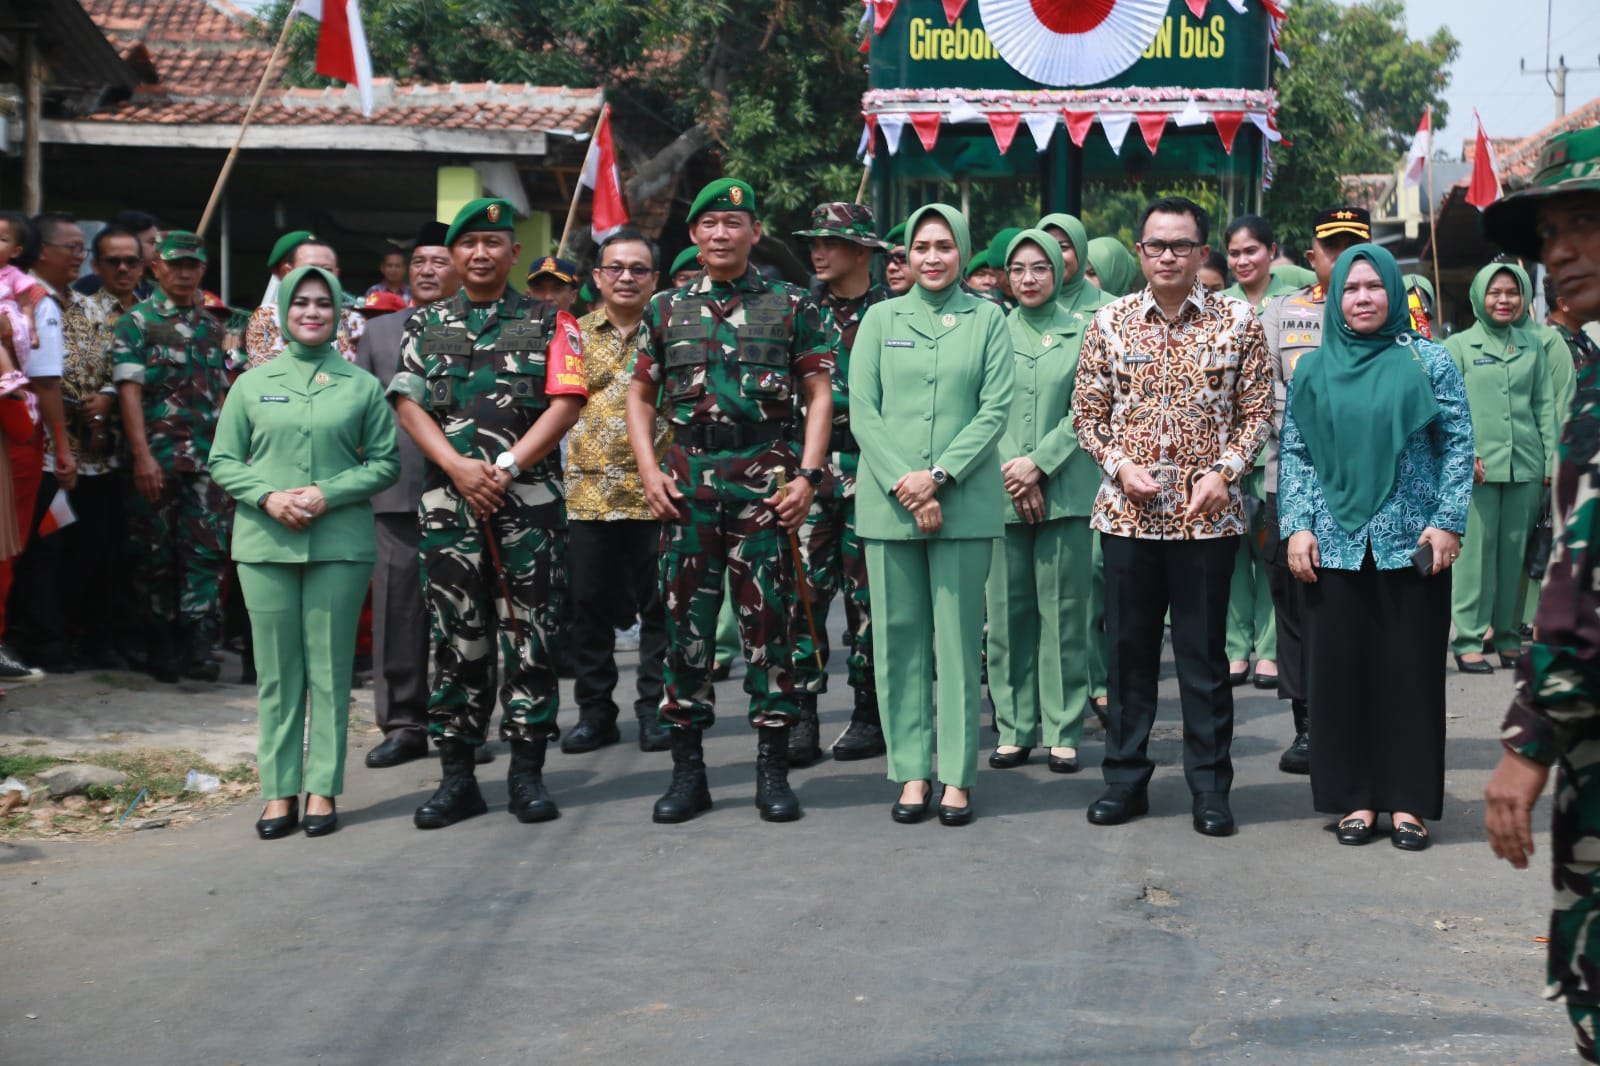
(628, 639)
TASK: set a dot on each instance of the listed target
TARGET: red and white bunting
(893, 124)
(926, 123)
(1152, 124)
(1003, 124)
(1228, 123)
(1115, 126)
(952, 10)
(1197, 8)
(882, 12)
(1042, 124)
(1078, 123)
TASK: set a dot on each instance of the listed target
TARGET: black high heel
(320, 825)
(956, 815)
(1009, 760)
(274, 828)
(912, 813)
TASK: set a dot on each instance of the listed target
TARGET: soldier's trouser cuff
(1583, 1026)
(688, 716)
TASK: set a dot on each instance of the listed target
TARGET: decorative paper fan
(1071, 42)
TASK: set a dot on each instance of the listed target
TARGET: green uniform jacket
(279, 432)
(923, 396)
(1041, 426)
(1512, 401)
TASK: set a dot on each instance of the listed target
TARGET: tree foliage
(1351, 100)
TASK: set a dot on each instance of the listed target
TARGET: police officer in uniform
(842, 245)
(170, 368)
(726, 356)
(489, 382)
(1293, 325)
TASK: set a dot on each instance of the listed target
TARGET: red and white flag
(58, 516)
(342, 45)
(610, 211)
(1421, 148)
(1484, 188)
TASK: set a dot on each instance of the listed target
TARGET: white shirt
(50, 358)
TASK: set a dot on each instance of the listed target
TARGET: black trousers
(1144, 579)
(73, 583)
(612, 578)
(1376, 643)
(1287, 608)
(400, 636)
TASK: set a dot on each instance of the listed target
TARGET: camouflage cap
(181, 244)
(560, 269)
(284, 247)
(1569, 162)
(847, 222)
(724, 194)
(485, 214)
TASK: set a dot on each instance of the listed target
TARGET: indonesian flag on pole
(342, 45)
(1484, 188)
(1421, 148)
(610, 211)
(58, 516)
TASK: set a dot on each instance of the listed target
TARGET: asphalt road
(1028, 937)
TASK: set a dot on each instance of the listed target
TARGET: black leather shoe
(912, 813)
(1509, 662)
(1058, 765)
(1264, 681)
(1212, 817)
(774, 798)
(198, 640)
(397, 748)
(1239, 678)
(590, 735)
(1009, 760)
(1117, 804)
(956, 815)
(1296, 758)
(1409, 836)
(1482, 666)
(688, 794)
(653, 736)
(860, 740)
(528, 799)
(276, 828)
(457, 796)
(320, 825)
(1354, 832)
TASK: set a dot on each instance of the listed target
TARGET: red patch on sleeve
(564, 374)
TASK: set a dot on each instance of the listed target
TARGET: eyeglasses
(1035, 270)
(1157, 249)
(76, 250)
(123, 262)
(614, 271)
(897, 257)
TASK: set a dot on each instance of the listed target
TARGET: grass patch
(26, 765)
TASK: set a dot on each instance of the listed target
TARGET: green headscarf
(286, 297)
(1072, 296)
(1116, 267)
(958, 229)
(1297, 277)
(1359, 397)
(1035, 320)
(1520, 332)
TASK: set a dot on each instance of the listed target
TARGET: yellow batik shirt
(603, 483)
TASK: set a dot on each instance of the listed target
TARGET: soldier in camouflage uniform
(842, 243)
(727, 354)
(489, 381)
(170, 368)
(1555, 718)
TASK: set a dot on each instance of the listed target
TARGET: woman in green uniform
(931, 379)
(1252, 625)
(1043, 567)
(1514, 427)
(302, 444)
(1112, 266)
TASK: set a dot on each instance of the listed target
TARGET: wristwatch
(813, 474)
(939, 475)
(508, 462)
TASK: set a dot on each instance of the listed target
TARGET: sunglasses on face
(635, 271)
(121, 262)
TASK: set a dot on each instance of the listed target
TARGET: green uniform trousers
(1488, 576)
(1038, 625)
(1252, 625)
(303, 621)
(727, 629)
(927, 606)
(1097, 625)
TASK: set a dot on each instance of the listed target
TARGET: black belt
(842, 440)
(721, 437)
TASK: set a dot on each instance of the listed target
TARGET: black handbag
(1540, 541)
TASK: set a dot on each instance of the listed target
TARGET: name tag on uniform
(1484, 362)
(899, 344)
(274, 399)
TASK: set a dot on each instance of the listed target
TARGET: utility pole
(1559, 84)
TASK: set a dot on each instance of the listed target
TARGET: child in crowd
(18, 290)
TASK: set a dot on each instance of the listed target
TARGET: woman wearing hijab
(929, 504)
(1515, 424)
(1375, 476)
(1043, 568)
(303, 443)
(1112, 266)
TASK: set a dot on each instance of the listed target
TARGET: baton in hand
(803, 584)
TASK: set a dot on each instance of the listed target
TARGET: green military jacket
(1040, 426)
(729, 353)
(176, 356)
(295, 422)
(485, 375)
(925, 395)
(1512, 398)
(843, 318)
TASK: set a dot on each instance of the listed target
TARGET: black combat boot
(1296, 758)
(530, 800)
(863, 738)
(805, 745)
(688, 794)
(161, 653)
(774, 798)
(457, 797)
(199, 637)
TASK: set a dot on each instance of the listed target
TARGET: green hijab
(1034, 321)
(1359, 397)
(286, 297)
(1520, 333)
(1072, 296)
(1116, 267)
(1296, 277)
(958, 229)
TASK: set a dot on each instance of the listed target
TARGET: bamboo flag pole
(861, 190)
(250, 113)
(577, 191)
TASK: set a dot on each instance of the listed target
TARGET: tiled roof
(208, 56)
(1518, 156)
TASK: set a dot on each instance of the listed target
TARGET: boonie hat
(847, 222)
(1569, 162)
(181, 244)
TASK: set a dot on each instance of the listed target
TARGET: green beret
(896, 237)
(181, 244)
(724, 194)
(998, 246)
(688, 259)
(587, 294)
(286, 245)
(485, 214)
(978, 262)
